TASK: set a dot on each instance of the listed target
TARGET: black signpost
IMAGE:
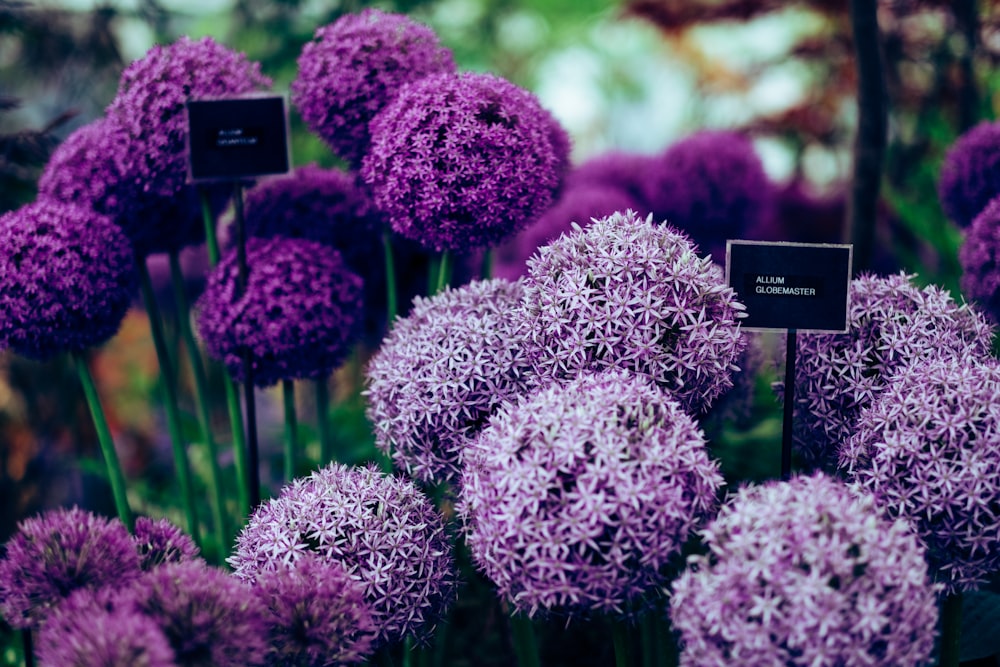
(790, 287)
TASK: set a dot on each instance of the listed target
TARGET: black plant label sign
(238, 137)
(797, 286)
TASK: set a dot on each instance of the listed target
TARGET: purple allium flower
(892, 322)
(102, 629)
(67, 275)
(354, 67)
(711, 185)
(805, 573)
(929, 450)
(441, 372)
(577, 498)
(463, 161)
(615, 169)
(317, 614)
(59, 552)
(298, 317)
(970, 173)
(381, 528)
(628, 293)
(210, 618)
(86, 167)
(159, 542)
(980, 259)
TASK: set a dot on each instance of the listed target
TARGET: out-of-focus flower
(617, 169)
(805, 572)
(578, 498)
(159, 542)
(980, 259)
(970, 173)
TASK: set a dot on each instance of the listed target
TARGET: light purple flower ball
(298, 316)
(629, 293)
(380, 528)
(354, 67)
(67, 276)
(805, 572)
(441, 372)
(970, 173)
(159, 542)
(59, 552)
(929, 450)
(980, 260)
(462, 161)
(577, 498)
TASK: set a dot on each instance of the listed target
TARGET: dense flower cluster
(927, 449)
(629, 293)
(805, 573)
(298, 316)
(892, 322)
(970, 173)
(317, 615)
(980, 259)
(67, 276)
(57, 553)
(577, 498)
(159, 542)
(354, 67)
(441, 372)
(463, 161)
(380, 528)
(86, 168)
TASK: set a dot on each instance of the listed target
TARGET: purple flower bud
(160, 542)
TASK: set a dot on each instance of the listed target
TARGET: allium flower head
(159, 542)
(86, 167)
(892, 322)
(441, 372)
(577, 498)
(805, 572)
(929, 450)
(298, 316)
(980, 259)
(621, 170)
(970, 173)
(59, 552)
(463, 161)
(380, 528)
(628, 293)
(210, 618)
(354, 67)
(67, 276)
(317, 614)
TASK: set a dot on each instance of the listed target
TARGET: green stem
(623, 648)
(444, 272)
(440, 649)
(951, 630)
(29, 649)
(115, 476)
(525, 642)
(323, 421)
(407, 657)
(392, 306)
(667, 651)
(647, 636)
(211, 242)
(169, 390)
(291, 427)
(486, 270)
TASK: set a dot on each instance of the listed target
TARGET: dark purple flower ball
(441, 372)
(86, 168)
(318, 616)
(159, 542)
(67, 276)
(929, 450)
(615, 169)
(805, 573)
(711, 185)
(59, 552)
(298, 317)
(970, 173)
(102, 629)
(629, 293)
(354, 67)
(578, 498)
(980, 260)
(892, 322)
(380, 528)
(463, 161)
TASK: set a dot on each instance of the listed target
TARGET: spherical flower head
(59, 552)
(628, 293)
(354, 67)
(318, 616)
(970, 173)
(441, 372)
(87, 167)
(617, 169)
(463, 161)
(892, 322)
(67, 276)
(578, 498)
(927, 449)
(159, 542)
(210, 618)
(380, 528)
(297, 317)
(980, 260)
(102, 629)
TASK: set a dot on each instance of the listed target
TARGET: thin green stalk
(115, 476)
(211, 242)
(667, 651)
(407, 657)
(525, 642)
(440, 650)
(169, 389)
(392, 306)
(323, 421)
(951, 630)
(486, 270)
(623, 647)
(291, 427)
(444, 272)
(647, 637)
